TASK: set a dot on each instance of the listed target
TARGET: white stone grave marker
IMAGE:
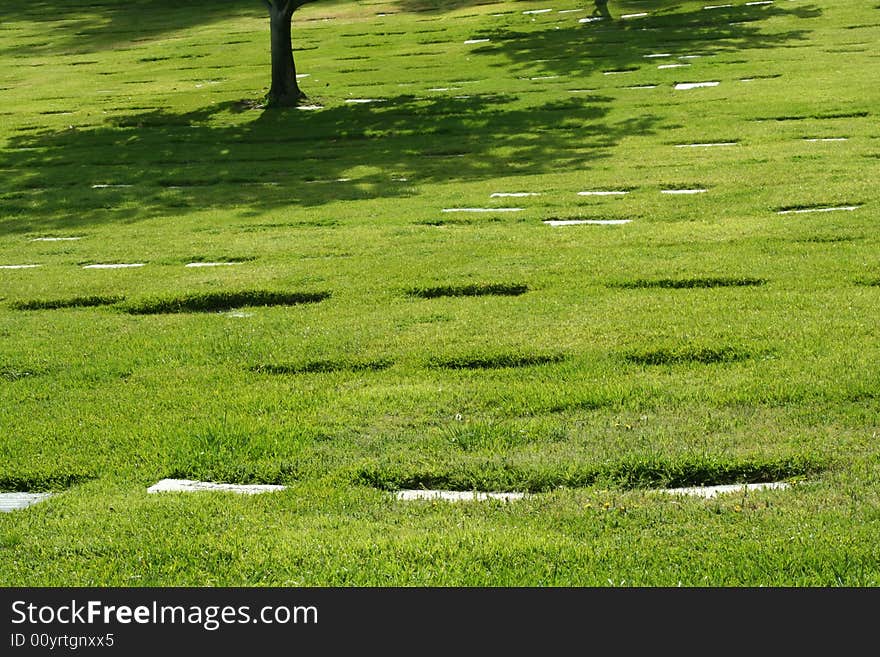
(115, 265)
(15, 501)
(695, 85)
(845, 208)
(456, 495)
(191, 486)
(482, 210)
(594, 222)
(709, 492)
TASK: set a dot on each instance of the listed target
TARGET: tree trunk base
(291, 99)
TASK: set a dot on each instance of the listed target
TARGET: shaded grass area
(687, 283)
(683, 355)
(619, 45)
(39, 482)
(493, 361)
(630, 474)
(469, 290)
(238, 473)
(146, 19)
(11, 373)
(168, 159)
(323, 366)
(219, 301)
(72, 302)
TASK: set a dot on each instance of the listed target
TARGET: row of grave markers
(22, 500)
(125, 265)
(679, 86)
(549, 222)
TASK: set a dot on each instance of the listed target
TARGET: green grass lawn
(385, 301)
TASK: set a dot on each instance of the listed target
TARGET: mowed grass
(364, 297)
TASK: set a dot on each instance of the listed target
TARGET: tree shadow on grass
(163, 163)
(603, 44)
(87, 25)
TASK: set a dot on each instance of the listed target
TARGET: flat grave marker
(696, 85)
(709, 492)
(115, 265)
(593, 222)
(192, 486)
(845, 208)
(708, 144)
(456, 495)
(481, 209)
(15, 501)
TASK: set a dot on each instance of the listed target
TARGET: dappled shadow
(438, 6)
(72, 24)
(598, 7)
(158, 163)
(606, 44)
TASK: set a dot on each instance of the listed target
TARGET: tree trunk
(284, 89)
(601, 9)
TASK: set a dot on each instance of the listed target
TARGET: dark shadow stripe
(469, 290)
(220, 301)
(498, 361)
(72, 302)
(322, 366)
(41, 482)
(628, 475)
(687, 283)
(688, 355)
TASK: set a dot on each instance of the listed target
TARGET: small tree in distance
(284, 90)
